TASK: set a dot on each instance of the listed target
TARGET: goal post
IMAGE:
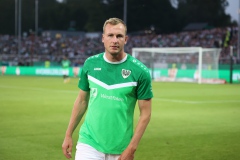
(181, 64)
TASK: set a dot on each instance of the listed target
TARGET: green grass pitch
(189, 121)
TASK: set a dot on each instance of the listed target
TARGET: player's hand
(128, 154)
(67, 147)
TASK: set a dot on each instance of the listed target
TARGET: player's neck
(115, 58)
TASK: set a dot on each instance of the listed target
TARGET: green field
(189, 121)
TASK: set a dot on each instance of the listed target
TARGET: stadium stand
(78, 48)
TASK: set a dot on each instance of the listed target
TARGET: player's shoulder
(94, 57)
(137, 64)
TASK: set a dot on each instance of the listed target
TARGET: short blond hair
(114, 21)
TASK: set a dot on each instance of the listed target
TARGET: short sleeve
(144, 88)
(83, 81)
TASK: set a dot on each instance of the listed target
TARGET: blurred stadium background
(189, 122)
(39, 33)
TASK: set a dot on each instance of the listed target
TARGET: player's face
(114, 39)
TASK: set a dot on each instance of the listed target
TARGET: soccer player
(111, 83)
(65, 69)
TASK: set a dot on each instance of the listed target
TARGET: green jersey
(66, 63)
(114, 89)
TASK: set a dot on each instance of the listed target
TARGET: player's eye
(119, 36)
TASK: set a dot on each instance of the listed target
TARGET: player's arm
(79, 108)
(145, 115)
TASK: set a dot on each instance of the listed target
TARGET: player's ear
(126, 39)
(102, 38)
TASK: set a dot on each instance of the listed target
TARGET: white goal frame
(179, 50)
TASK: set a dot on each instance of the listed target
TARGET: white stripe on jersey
(114, 86)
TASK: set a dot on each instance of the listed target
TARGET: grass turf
(189, 121)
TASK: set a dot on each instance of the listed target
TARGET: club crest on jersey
(94, 92)
(125, 73)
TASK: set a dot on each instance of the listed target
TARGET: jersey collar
(123, 60)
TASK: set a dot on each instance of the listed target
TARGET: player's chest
(113, 74)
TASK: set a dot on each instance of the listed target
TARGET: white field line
(38, 89)
(154, 98)
(196, 102)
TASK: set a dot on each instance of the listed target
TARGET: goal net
(181, 64)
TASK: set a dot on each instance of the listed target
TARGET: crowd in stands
(77, 49)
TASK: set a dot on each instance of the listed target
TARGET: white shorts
(65, 72)
(87, 152)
